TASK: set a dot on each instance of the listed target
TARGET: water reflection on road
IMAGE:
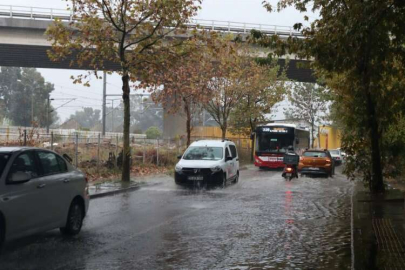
(262, 222)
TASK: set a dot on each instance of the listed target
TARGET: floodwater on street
(262, 222)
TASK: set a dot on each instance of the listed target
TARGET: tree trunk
(188, 123)
(252, 129)
(223, 129)
(312, 135)
(377, 181)
(125, 177)
(252, 150)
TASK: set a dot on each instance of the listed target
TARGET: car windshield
(314, 154)
(3, 161)
(204, 153)
(334, 152)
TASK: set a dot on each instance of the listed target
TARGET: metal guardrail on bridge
(37, 13)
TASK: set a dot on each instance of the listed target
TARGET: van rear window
(314, 154)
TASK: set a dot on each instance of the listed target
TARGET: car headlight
(178, 168)
(215, 169)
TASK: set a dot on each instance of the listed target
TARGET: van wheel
(74, 220)
(224, 183)
(236, 178)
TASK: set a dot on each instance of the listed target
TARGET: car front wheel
(237, 178)
(75, 219)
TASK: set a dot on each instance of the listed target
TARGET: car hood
(198, 164)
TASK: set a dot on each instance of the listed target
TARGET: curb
(114, 192)
(352, 231)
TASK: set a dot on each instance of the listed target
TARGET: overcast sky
(248, 11)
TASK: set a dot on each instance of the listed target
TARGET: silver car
(39, 191)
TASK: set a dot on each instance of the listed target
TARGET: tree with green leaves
(87, 118)
(309, 103)
(23, 97)
(228, 79)
(362, 43)
(153, 133)
(184, 89)
(263, 89)
(128, 33)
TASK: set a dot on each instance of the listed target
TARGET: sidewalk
(378, 229)
(111, 188)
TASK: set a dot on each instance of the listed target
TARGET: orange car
(316, 162)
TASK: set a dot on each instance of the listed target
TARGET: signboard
(282, 130)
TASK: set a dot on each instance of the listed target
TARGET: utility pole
(32, 110)
(112, 116)
(104, 100)
(47, 115)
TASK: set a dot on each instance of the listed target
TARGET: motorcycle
(289, 172)
(291, 161)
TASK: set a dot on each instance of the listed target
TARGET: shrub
(153, 133)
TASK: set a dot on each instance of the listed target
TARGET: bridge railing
(36, 13)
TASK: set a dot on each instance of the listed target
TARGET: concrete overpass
(23, 43)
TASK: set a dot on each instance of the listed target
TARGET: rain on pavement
(263, 222)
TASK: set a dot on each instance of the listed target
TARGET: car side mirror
(228, 158)
(252, 135)
(179, 156)
(20, 177)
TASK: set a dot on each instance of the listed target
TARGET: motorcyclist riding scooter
(291, 160)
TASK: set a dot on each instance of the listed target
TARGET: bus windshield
(270, 142)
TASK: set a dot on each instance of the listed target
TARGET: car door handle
(41, 186)
(5, 199)
(66, 180)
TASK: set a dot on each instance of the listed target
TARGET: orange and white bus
(271, 142)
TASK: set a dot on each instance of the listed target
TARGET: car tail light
(328, 160)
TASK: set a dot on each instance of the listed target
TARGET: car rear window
(3, 161)
(314, 154)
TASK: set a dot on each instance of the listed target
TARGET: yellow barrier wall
(216, 133)
(329, 138)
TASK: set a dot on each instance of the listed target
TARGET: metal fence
(95, 151)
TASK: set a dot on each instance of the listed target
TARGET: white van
(209, 161)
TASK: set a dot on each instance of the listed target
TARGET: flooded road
(263, 222)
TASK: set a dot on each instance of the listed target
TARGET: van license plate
(196, 178)
(313, 169)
